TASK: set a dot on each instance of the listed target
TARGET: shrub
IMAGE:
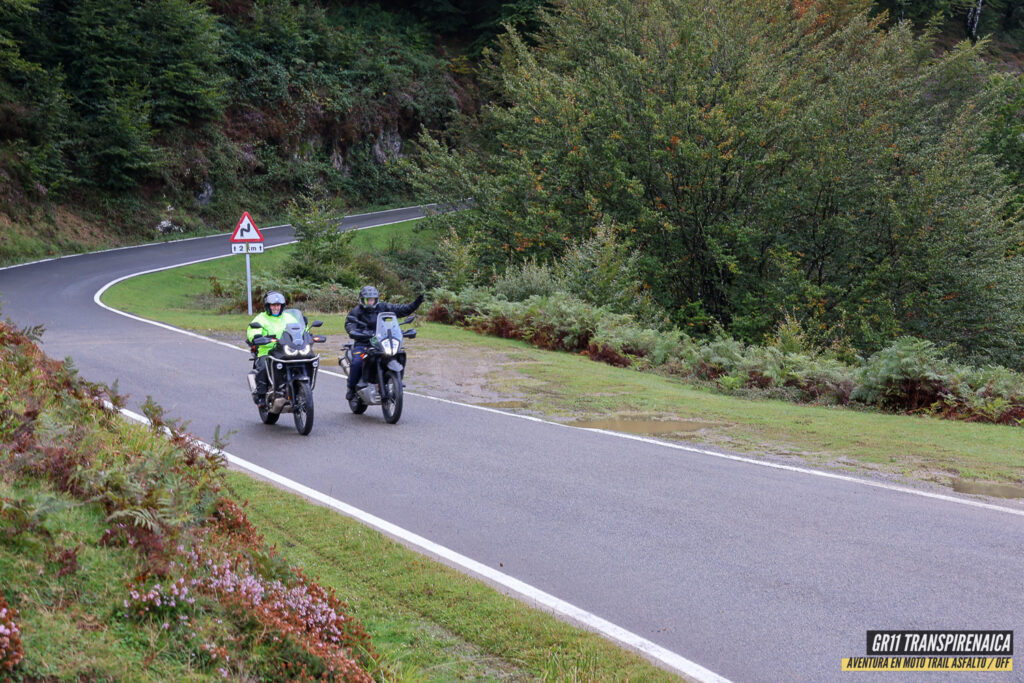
(323, 254)
(520, 282)
(229, 296)
(761, 367)
(456, 309)
(820, 378)
(602, 270)
(989, 394)
(721, 356)
(416, 269)
(909, 374)
(11, 649)
(619, 335)
(789, 336)
(459, 268)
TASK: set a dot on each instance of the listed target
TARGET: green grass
(432, 622)
(173, 295)
(70, 629)
(404, 235)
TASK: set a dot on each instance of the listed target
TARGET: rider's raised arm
(402, 310)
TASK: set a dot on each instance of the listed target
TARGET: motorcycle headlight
(389, 346)
(296, 350)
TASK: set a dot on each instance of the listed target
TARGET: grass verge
(405, 235)
(430, 621)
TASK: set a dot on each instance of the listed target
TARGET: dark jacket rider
(361, 323)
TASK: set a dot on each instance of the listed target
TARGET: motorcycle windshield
(389, 333)
(294, 327)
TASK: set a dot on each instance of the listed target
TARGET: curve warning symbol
(246, 230)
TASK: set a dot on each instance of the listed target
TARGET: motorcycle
(291, 371)
(383, 368)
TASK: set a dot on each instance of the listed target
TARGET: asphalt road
(758, 574)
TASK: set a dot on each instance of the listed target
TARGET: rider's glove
(418, 301)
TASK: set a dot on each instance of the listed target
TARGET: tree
(762, 156)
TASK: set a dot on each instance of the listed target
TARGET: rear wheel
(391, 401)
(302, 408)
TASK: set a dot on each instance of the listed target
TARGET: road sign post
(247, 239)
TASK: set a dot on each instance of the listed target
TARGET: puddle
(986, 488)
(503, 404)
(643, 426)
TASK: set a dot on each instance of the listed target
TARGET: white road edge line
(512, 585)
(133, 246)
(223, 234)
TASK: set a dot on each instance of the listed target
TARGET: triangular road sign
(246, 230)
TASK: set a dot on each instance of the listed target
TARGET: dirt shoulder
(467, 373)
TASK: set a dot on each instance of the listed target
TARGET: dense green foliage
(212, 105)
(761, 159)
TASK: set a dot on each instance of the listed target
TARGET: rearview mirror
(408, 320)
(256, 326)
(317, 323)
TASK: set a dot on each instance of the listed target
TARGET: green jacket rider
(273, 326)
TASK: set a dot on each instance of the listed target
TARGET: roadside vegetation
(128, 552)
(908, 376)
(783, 399)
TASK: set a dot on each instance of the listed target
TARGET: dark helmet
(368, 292)
(273, 298)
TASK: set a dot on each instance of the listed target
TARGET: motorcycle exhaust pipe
(252, 382)
(369, 395)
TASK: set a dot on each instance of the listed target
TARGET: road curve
(758, 574)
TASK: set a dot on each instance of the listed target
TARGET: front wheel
(268, 417)
(356, 405)
(391, 401)
(302, 408)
